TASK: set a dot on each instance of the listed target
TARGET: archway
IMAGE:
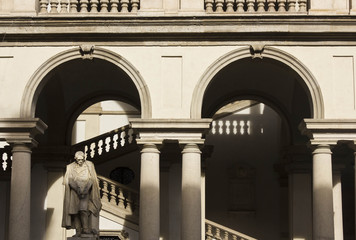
(38, 79)
(247, 174)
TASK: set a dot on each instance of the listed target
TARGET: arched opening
(66, 90)
(256, 105)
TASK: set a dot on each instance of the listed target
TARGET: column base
(83, 237)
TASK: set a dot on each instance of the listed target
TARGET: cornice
(69, 28)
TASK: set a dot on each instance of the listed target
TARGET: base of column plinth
(83, 237)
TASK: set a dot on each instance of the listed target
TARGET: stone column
(191, 192)
(323, 213)
(353, 7)
(20, 194)
(149, 193)
(337, 201)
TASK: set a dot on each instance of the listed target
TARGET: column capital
(21, 130)
(191, 148)
(150, 148)
(322, 149)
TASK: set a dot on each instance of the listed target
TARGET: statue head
(79, 157)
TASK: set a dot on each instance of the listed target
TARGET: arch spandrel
(267, 52)
(36, 82)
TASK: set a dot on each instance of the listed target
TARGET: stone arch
(267, 52)
(36, 82)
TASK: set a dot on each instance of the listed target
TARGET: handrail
(107, 145)
(215, 230)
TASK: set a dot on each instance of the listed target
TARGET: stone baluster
(230, 6)
(281, 5)
(250, 5)
(84, 6)
(129, 204)
(94, 6)
(73, 6)
(217, 233)
(209, 230)
(209, 6)
(43, 6)
(105, 191)
(100, 147)
(234, 237)
(271, 5)
(240, 6)
(302, 5)
(134, 5)
(124, 6)
(226, 235)
(107, 144)
(291, 5)
(121, 198)
(104, 6)
(114, 6)
(261, 5)
(115, 139)
(54, 6)
(113, 196)
(64, 6)
(219, 6)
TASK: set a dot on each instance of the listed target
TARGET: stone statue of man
(82, 198)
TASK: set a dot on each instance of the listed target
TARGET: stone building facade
(233, 119)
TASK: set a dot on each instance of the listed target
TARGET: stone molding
(268, 52)
(329, 131)
(36, 83)
(21, 130)
(155, 131)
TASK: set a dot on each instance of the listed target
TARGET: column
(20, 194)
(191, 192)
(149, 193)
(337, 201)
(323, 213)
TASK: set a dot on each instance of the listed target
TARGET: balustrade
(6, 159)
(216, 231)
(256, 6)
(88, 6)
(108, 145)
(118, 195)
(241, 126)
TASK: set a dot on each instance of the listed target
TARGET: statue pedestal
(83, 237)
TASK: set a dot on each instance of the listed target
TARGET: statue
(82, 198)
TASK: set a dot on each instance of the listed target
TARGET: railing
(256, 6)
(123, 199)
(6, 159)
(86, 6)
(216, 231)
(108, 145)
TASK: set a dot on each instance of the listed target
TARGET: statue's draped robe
(71, 199)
